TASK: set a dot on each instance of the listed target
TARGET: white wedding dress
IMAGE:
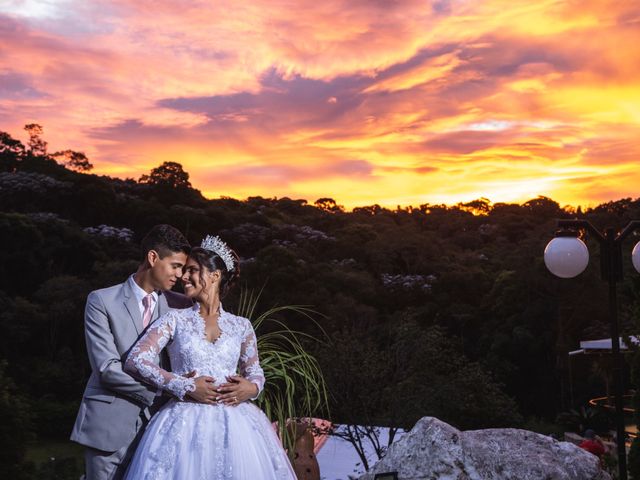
(193, 441)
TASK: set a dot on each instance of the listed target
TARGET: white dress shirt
(140, 294)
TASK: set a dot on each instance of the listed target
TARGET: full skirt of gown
(191, 441)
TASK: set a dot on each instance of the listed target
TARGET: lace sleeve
(142, 362)
(249, 363)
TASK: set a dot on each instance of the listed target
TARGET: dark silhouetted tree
(11, 152)
(328, 205)
(480, 206)
(169, 174)
(37, 146)
(543, 207)
(73, 160)
(370, 209)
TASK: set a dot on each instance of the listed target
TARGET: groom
(115, 407)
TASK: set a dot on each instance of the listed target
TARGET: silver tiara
(217, 246)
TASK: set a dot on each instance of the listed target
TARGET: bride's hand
(238, 390)
(205, 391)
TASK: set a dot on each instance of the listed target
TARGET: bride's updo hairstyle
(212, 261)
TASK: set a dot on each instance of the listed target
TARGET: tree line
(434, 310)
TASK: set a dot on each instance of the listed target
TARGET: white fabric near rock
(436, 450)
(339, 460)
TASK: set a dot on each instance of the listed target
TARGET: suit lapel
(131, 305)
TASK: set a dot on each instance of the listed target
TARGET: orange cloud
(390, 102)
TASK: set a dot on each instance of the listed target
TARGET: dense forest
(435, 310)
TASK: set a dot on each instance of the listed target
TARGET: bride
(229, 437)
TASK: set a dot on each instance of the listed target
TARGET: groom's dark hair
(165, 240)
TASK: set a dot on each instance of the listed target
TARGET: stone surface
(434, 450)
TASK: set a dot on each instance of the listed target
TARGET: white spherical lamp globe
(635, 257)
(566, 257)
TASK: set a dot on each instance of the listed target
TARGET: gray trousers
(100, 465)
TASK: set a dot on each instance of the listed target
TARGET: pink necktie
(146, 315)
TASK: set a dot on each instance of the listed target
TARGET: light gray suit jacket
(113, 400)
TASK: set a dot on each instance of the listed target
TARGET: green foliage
(47, 245)
(424, 303)
(586, 418)
(295, 387)
(633, 459)
(394, 376)
(67, 468)
(15, 426)
(544, 427)
(635, 380)
(16, 232)
(53, 417)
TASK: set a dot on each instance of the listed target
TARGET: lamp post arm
(628, 230)
(587, 225)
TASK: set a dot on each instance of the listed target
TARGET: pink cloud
(277, 96)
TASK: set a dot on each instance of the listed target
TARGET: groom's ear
(152, 257)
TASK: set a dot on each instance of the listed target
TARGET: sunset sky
(365, 101)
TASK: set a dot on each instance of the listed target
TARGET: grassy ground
(44, 451)
(56, 459)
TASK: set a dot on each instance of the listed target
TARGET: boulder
(438, 451)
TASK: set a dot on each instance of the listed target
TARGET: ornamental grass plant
(295, 388)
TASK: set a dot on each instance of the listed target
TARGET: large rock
(435, 450)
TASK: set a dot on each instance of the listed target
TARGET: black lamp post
(566, 256)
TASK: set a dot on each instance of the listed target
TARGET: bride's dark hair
(210, 260)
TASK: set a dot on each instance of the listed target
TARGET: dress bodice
(182, 333)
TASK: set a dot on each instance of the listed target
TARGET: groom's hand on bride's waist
(205, 391)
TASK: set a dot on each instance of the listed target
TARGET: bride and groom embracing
(173, 376)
